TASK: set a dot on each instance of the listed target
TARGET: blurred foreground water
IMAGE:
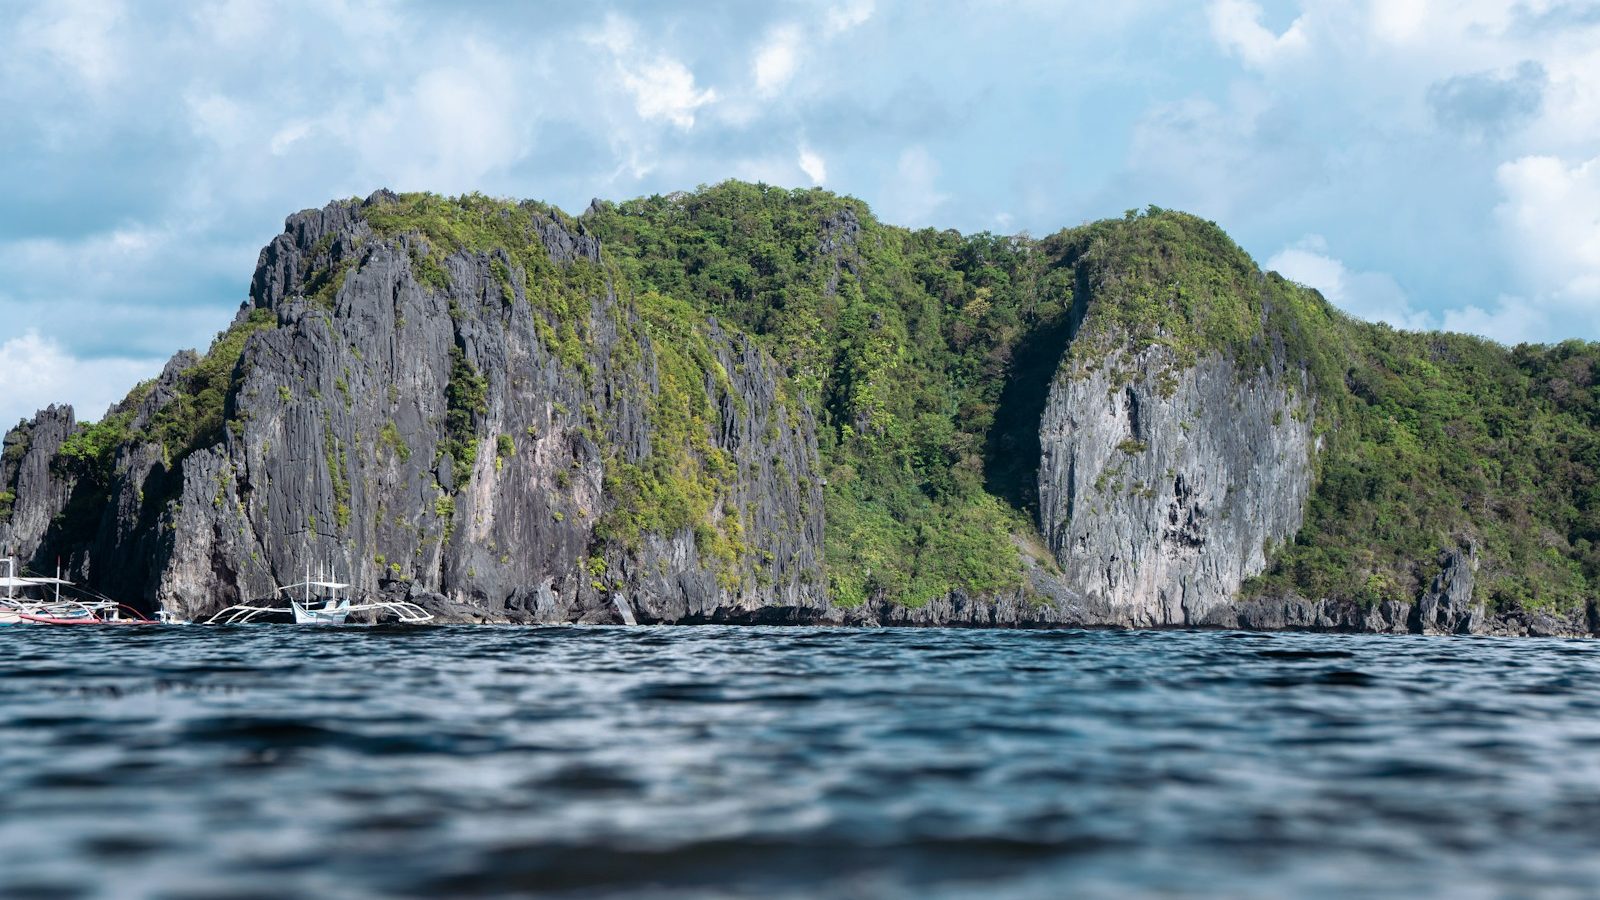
(474, 761)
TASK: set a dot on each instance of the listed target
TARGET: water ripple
(794, 762)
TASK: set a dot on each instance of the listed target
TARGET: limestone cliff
(746, 404)
(439, 434)
(1163, 487)
(31, 492)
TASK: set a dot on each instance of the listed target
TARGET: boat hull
(29, 619)
(332, 614)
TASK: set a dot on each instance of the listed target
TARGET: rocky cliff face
(1163, 487)
(411, 421)
(474, 405)
(32, 493)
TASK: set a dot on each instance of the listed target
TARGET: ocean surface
(275, 761)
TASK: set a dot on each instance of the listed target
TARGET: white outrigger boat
(319, 603)
(56, 610)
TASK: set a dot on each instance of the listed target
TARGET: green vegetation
(10, 459)
(195, 417)
(1435, 441)
(678, 486)
(16, 449)
(89, 452)
(338, 465)
(928, 355)
(479, 224)
(1165, 278)
(324, 284)
(899, 340)
(466, 399)
(389, 437)
(1431, 441)
(505, 447)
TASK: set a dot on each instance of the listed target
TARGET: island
(746, 404)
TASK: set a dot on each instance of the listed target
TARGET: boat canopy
(7, 581)
(329, 585)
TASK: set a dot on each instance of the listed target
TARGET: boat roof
(9, 582)
(331, 585)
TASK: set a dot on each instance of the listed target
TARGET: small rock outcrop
(1447, 606)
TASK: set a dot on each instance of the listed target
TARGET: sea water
(277, 761)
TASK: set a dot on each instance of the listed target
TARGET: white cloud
(911, 196)
(1220, 161)
(1373, 296)
(455, 125)
(233, 22)
(777, 59)
(1572, 101)
(1512, 321)
(287, 136)
(118, 254)
(1376, 297)
(662, 87)
(815, 167)
(846, 16)
(217, 117)
(782, 52)
(1551, 217)
(770, 169)
(40, 372)
(80, 36)
(137, 291)
(805, 166)
(1399, 21)
(1457, 114)
(1236, 25)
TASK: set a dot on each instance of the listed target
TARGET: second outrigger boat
(319, 603)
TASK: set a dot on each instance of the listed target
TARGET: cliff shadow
(88, 529)
(1011, 451)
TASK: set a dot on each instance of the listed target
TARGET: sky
(1426, 163)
